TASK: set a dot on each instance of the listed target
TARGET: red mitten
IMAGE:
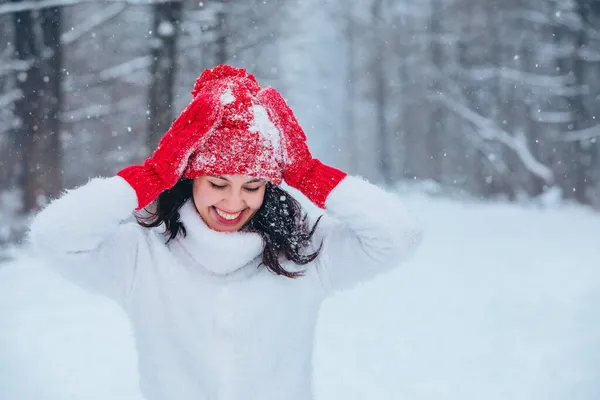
(301, 171)
(187, 133)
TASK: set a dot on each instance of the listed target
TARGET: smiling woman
(224, 301)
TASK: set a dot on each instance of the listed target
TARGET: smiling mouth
(227, 218)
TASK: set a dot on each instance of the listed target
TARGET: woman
(224, 300)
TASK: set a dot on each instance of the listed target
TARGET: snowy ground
(501, 302)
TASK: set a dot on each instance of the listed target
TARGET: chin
(218, 228)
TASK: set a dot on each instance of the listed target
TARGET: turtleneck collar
(220, 253)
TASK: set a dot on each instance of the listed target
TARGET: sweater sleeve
(84, 237)
(366, 231)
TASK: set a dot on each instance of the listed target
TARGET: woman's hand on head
(296, 154)
(187, 134)
(300, 169)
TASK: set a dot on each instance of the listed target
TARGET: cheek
(204, 197)
(254, 201)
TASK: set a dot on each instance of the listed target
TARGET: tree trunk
(586, 150)
(28, 108)
(401, 121)
(48, 143)
(163, 69)
(385, 167)
(350, 85)
(434, 137)
(562, 166)
(533, 184)
(222, 34)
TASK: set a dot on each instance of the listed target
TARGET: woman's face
(227, 202)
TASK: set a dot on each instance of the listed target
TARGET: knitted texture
(317, 181)
(300, 170)
(145, 181)
(188, 132)
(247, 142)
(233, 127)
(221, 75)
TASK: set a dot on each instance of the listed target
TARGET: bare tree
(163, 49)
(493, 94)
(8, 94)
(351, 43)
(586, 162)
(222, 33)
(28, 106)
(434, 140)
(380, 95)
(49, 177)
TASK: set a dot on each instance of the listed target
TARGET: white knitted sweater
(209, 323)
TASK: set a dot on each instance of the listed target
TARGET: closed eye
(218, 187)
(252, 189)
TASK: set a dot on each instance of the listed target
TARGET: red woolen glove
(301, 171)
(187, 133)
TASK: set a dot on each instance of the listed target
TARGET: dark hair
(279, 221)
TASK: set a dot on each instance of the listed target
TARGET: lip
(224, 221)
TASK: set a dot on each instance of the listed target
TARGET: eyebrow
(225, 179)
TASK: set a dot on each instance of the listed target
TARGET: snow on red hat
(247, 142)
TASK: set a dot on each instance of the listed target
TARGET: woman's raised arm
(85, 237)
(370, 231)
(84, 233)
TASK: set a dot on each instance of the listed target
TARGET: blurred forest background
(486, 98)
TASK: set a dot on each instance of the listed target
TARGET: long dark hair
(280, 221)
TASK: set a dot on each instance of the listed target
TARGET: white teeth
(226, 215)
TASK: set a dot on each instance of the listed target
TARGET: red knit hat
(247, 142)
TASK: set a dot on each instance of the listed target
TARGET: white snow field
(501, 302)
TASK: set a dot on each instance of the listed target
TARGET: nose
(234, 202)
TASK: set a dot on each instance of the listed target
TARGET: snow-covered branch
(486, 148)
(123, 69)
(10, 8)
(568, 50)
(552, 117)
(525, 78)
(489, 130)
(405, 8)
(98, 110)
(566, 19)
(118, 71)
(582, 134)
(589, 55)
(560, 85)
(534, 16)
(442, 38)
(91, 23)
(553, 50)
(6, 125)
(267, 37)
(7, 98)
(9, 67)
